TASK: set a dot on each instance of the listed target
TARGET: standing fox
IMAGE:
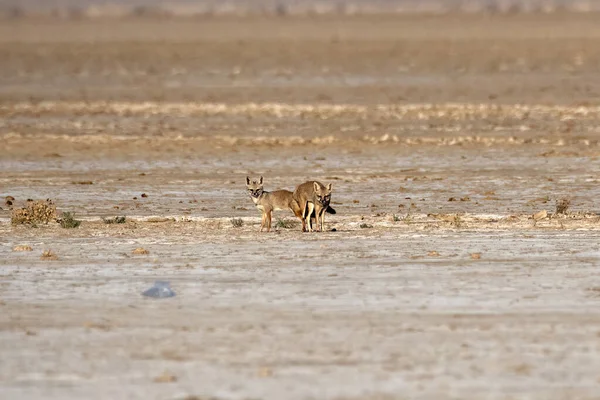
(313, 199)
(267, 202)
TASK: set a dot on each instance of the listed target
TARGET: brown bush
(562, 205)
(36, 212)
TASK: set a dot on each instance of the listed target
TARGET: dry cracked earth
(447, 272)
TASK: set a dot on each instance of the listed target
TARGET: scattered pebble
(160, 290)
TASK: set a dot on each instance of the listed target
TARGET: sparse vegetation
(140, 250)
(237, 222)
(68, 221)
(22, 247)
(285, 223)
(408, 218)
(365, 226)
(36, 212)
(48, 255)
(396, 218)
(457, 221)
(115, 220)
(562, 205)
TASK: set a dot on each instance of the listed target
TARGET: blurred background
(67, 8)
(301, 51)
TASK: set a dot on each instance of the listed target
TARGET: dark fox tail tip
(330, 210)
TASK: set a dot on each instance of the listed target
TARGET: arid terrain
(463, 261)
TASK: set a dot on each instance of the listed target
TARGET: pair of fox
(309, 200)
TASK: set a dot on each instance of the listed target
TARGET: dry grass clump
(68, 221)
(48, 255)
(115, 220)
(457, 221)
(562, 205)
(22, 247)
(285, 223)
(140, 250)
(36, 212)
(237, 222)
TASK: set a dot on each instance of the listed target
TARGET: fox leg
(322, 218)
(310, 208)
(269, 215)
(303, 213)
(298, 213)
(262, 222)
(317, 219)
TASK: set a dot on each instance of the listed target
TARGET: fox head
(255, 187)
(323, 194)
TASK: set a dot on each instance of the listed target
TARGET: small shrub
(407, 219)
(115, 220)
(20, 216)
(285, 223)
(36, 212)
(22, 247)
(48, 255)
(237, 222)
(68, 221)
(562, 205)
(457, 221)
(365, 226)
(396, 218)
(140, 250)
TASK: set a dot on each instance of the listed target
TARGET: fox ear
(247, 180)
(329, 187)
(261, 180)
(316, 186)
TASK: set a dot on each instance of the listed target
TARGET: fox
(267, 202)
(313, 199)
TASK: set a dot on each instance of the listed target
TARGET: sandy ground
(433, 280)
